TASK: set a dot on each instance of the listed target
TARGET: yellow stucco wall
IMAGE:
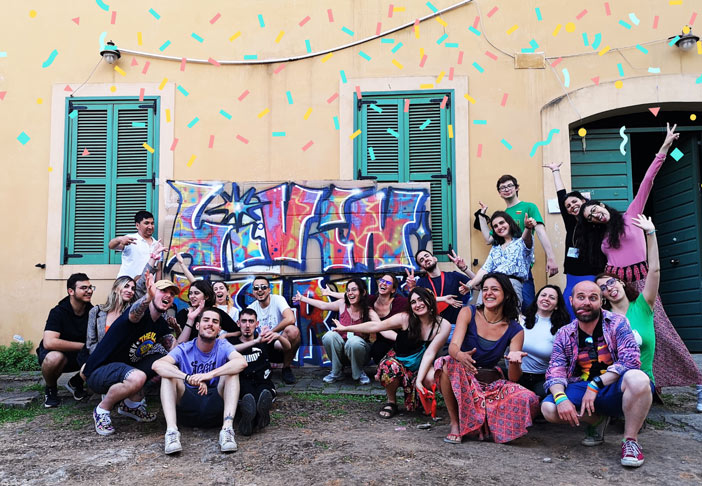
(31, 89)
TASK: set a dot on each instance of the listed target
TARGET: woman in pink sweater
(624, 245)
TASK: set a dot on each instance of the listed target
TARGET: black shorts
(275, 355)
(255, 388)
(72, 356)
(200, 410)
(103, 377)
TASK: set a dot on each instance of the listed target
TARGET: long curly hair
(510, 306)
(415, 324)
(630, 290)
(593, 234)
(362, 298)
(560, 316)
(114, 299)
(513, 227)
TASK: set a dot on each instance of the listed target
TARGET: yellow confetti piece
(327, 57)
(355, 134)
(416, 31)
(441, 21)
(264, 113)
(699, 47)
(570, 27)
(190, 162)
(469, 98)
(426, 86)
(675, 2)
(421, 52)
(113, 88)
(619, 84)
(557, 30)
(148, 147)
(277, 39)
(440, 77)
(307, 114)
(582, 132)
(163, 83)
(604, 50)
(397, 64)
(234, 36)
(139, 40)
(33, 13)
(512, 29)
(39, 101)
(51, 169)
(168, 115)
(120, 70)
(450, 130)
(686, 29)
(398, 9)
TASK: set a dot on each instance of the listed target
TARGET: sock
(132, 404)
(101, 410)
(175, 429)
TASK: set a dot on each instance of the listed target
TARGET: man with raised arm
(136, 247)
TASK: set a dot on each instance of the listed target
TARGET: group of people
(499, 356)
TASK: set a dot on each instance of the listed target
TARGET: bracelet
(651, 232)
(558, 395)
(557, 170)
(188, 325)
(463, 269)
(592, 386)
(187, 377)
(561, 399)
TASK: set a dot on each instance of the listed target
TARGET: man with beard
(275, 314)
(121, 362)
(200, 384)
(594, 374)
(136, 247)
(257, 389)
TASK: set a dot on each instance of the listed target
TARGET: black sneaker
(288, 376)
(247, 405)
(75, 386)
(263, 407)
(51, 399)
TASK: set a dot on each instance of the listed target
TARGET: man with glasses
(508, 188)
(64, 338)
(275, 314)
(594, 374)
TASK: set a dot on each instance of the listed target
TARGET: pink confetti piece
(211, 144)
(416, 23)
(596, 80)
(304, 21)
(134, 62)
(378, 27)
(214, 62)
(141, 94)
(491, 55)
(307, 145)
(692, 19)
(330, 14)
(243, 95)
(443, 102)
(607, 10)
(182, 64)
(480, 150)
(424, 59)
(279, 68)
(451, 74)
(241, 139)
(2, 95)
(655, 110)
(556, 62)
(68, 88)
(173, 145)
(215, 18)
(504, 99)
(76, 20)
(358, 92)
(476, 22)
(581, 14)
(492, 12)
(85, 152)
(390, 9)
(655, 22)
(407, 103)
(332, 97)
(146, 67)
(114, 17)
(460, 57)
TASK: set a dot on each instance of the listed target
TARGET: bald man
(594, 374)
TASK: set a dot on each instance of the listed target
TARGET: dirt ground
(335, 440)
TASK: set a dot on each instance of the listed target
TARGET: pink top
(632, 244)
(345, 319)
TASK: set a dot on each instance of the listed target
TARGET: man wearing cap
(121, 363)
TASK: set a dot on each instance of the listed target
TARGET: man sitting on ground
(200, 384)
(594, 374)
(121, 363)
(275, 314)
(257, 388)
(64, 338)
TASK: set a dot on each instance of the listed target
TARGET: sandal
(388, 411)
(452, 439)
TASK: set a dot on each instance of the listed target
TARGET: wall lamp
(110, 53)
(686, 40)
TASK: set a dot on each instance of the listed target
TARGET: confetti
(478, 67)
(634, 19)
(264, 113)
(50, 59)
(336, 122)
(288, 94)
(378, 27)
(280, 36)
(693, 117)
(536, 145)
(642, 48)
(342, 74)
(327, 57)
(476, 21)
(73, 114)
(390, 10)
(397, 64)
(506, 144)
(193, 122)
(183, 90)
(152, 12)
(241, 139)
(442, 39)
(307, 145)
(479, 122)
(596, 80)
(480, 150)
(102, 5)
(330, 15)
(250, 57)
(393, 133)
(347, 31)
(304, 21)
(164, 46)
(134, 62)
(451, 44)
(426, 86)
(211, 144)
(23, 138)
(197, 37)
(85, 152)
(358, 92)
(163, 83)
(234, 36)
(416, 28)
(451, 74)
(655, 110)
(474, 30)
(582, 132)
(607, 10)
(620, 68)
(225, 114)
(596, 42)
(625, 24)
(396, 48)
(655, 22)
(504, 99)
(243, 95)
(581, 14)
(148, 147)
(424, 59)
(371, 153)
(492, 12)
(619, 84)
(260, 21)
(440, 77)
(332, 97)
(556, 62)
(677, 154)
(469, 98)
(139, 39)
(407, 105)
(444, 100)
(556, 30)
(511, 29)
(214, 62)
(278, 134)
(355, 134)
(191, 160)
(114, 17)
(141, 94)
(604, 50)
(168, 115)
(307, 113)
(654, 70)
(215, 18)
(364, 55)
(441, 21)
(570, 27)
(460, 58)
(173, 145)
(425, 124)
(432, 7)
(120, 70)
(674, 40)
(450, 131)
(691, 22)
(538, 14)
(675, 2)
(77, 21)
(279, 68)
(491, 55)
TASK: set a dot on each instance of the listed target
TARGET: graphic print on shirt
(144, 346)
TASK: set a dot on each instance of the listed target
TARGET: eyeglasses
(506, 187)
(609, 283)
(386, 282)
(591, 217)
(259, 287)
(592, 349)
(85, 288)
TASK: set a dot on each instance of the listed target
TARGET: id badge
(573, 252)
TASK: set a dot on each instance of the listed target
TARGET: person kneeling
(594, 374)
(200, 384)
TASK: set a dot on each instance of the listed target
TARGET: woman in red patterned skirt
(479, 400)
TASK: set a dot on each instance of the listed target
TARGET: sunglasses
(259, 287)
(592, 350)
(386, 282)
(609, 283)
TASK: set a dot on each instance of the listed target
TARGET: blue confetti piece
(425, 124)
(154, 13)
(278, 134)
(634, 19)
(336, 123)
(73, 114)
(364, 55)
(308, 46)
(677, 154)
(387, 41)
(50, 60)
(165, 44)
(451, 44)
(654, 70)
(474, 30)
(506, 144)
(260, 21)
(586, 42)
(343, 76)
(138, 125)
(193, 122)
(596, 42)
(250, 57)
(674, 40)
(183, 90)
(533, 44)
(371, 153)
(377, 108)
(566, 77)
(103, 5)
(626, 25)
(699, 80)
(23, 138)
(478, 67)
(393, 133)
(431, 7)
(538, 14)
(479, 122)
(396, 48)
(527, 49)
(3, 54)
(442, 39)
(620, 68)
(197, 37)
(289, 95)
(536, 145)
(348, 31)
(642, 48)
(225, 114)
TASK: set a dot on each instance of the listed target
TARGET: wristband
(557, 170)
(651, 232)
(185, 380)
(561, 399)
(188, 325)
(592, 386)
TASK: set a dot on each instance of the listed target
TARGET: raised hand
(464, 289)
(529, 222)
(193, 312)
(297, 297)
(126, 240)
(150, 287)
(483, 207)
(553, 167)
(157, 250)
(643, 222)
(670, 136)
(457, 260)
(410, 281)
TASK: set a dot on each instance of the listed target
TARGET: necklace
(489, 321)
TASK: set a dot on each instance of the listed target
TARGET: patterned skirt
(672, 363)
(502, 408)
(389, 370)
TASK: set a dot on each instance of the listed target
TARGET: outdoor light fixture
(686, 40)
(110, 53)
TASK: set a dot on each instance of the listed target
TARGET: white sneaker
(172, 442)
(226, 440)
(363, 379)
(331, 378)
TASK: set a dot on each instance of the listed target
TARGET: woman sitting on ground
(201, 295)
(478, 399)
(543, 318)
(224, 301)
(421, 332)
(102, 316)
(343, 348)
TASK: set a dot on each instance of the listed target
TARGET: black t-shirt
(128, 342)
(257, 358)
(64, 321)
(450, 287)
(226, 322)
(575, 265)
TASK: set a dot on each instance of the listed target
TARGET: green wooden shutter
(598, 167)
(376, 118)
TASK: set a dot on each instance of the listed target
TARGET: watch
(598, 382)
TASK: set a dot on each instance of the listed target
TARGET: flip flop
(390, 409)
(452, 439)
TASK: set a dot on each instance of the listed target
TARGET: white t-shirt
(271, 315)
(538, 343)
(233, 312)
(135, 256)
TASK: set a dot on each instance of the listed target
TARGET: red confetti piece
(480, 150)
(213, 62)
(330, 14)
(114, 17)
(424, 59)
(596, 80)
(85, 152)
(443, 102)
(504, 99)
(390, 9)
(76, 20)
(581, 14)
(692, 19)
(182, 64)
(304, 21)
(607, 10)
(2, 95)
(134, 62)
(173, 145)
(492, 12)
(241, 139)
(68, 88)
(556, 62)
(332, 97)
(243, 95)
(307, 145)
(451, 74)
(655, 22)
(460, 57)
(407, 103)
(215, 18)
(279, 68)
(491, 55)
(655, 110)
(141, 94)
(211, 144)
(378, 27)
(358, 92)
(146, 67)
(476, 22)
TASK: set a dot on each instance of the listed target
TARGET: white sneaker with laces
(172, 443)
(363, 379)
(331, 378)
(226, 440)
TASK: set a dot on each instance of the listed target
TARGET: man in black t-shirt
(121, 362)
(257, 388)
(64, 337)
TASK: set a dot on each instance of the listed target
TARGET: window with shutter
(412, 146)
(110, 175)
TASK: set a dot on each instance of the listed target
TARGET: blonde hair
(228, 297)
(114, 300)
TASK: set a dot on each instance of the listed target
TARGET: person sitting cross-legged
(200, 384)
(594, 374)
